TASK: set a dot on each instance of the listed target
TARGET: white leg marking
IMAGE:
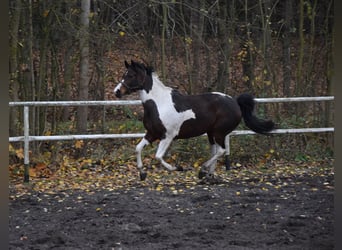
(227, 144)
(211, 163)
(138, 150)
(214, 149)
(162, 147)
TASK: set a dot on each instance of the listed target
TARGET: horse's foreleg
(138, 150)
(162, 147)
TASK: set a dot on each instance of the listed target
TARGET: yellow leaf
(48, 132)
(46, 13)
(188, 40)
(79, 143)
(32, 172)
(47, 155)
(268, 83)
(87, 161)
(10, 148)
(20, 153)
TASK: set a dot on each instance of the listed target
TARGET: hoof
(227, 163)
(143, 176)
(201, 174)
(179, 168)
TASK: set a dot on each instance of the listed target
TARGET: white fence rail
(26, 138)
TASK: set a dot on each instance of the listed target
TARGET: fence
(26, 138)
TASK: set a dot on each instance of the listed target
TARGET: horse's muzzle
(118, 93)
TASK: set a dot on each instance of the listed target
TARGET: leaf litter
(95, 203)
(120, 172)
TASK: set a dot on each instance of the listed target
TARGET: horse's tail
(260, 126)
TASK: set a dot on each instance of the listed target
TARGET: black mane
(149, 69)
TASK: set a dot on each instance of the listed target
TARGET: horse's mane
(149, 69)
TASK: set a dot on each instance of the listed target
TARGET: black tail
(246, 103)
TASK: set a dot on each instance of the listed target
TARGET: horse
(170, 115)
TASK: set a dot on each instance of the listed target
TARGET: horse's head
(134, 79)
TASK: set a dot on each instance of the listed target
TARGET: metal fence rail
(26, 138)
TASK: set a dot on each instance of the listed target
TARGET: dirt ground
(292, 211)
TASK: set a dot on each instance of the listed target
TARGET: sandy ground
(293, 212)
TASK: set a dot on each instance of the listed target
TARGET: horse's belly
(192, 128)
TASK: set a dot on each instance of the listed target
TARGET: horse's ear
(133, 63)
(126, 64)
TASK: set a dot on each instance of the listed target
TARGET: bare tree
(299, 76)
(287, 48)
(224, 47)
(15, 10)
(82, 111)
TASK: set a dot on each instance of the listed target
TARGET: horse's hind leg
(138, 150)
(226, 157)
(210, 165)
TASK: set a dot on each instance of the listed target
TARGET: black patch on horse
(178, 102)
(153, 124)
(148, 83)
(147, 80)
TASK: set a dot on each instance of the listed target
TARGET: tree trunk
(82, 111)
(187, 44)
(223, 53)
(299, 76)
(309, 72)
(163, 39)
(68, 77)
(197, 30)
(329, 59)
(287, 49)
(265, 12)
(249, 58)
(13, 65)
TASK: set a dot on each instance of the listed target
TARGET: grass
(243, 148)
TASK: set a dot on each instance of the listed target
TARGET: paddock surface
(293, 211)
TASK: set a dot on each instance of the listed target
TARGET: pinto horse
(170, 115)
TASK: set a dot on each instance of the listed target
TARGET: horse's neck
(157, 84)
(158, 91)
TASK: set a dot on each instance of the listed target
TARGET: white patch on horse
(170, 117)
(222, 94)
(118, 87)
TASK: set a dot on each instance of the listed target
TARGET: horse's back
(212, 111)
(207, 101)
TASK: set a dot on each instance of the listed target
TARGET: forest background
(74, 50)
